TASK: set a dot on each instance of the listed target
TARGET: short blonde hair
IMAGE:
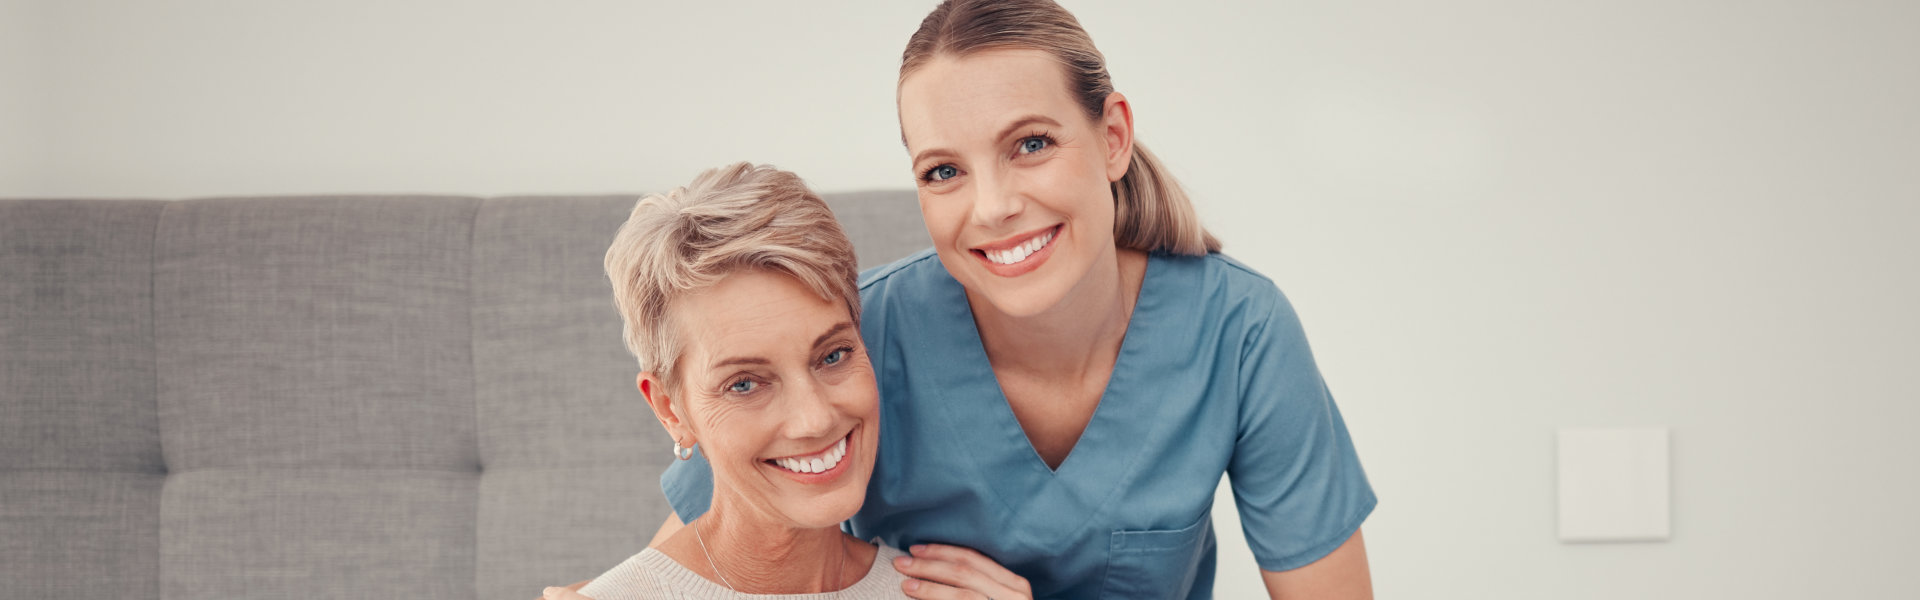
(728, 219)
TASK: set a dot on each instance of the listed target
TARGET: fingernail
(549, 592)
(918, 548)
(911, 585)
(902, 562)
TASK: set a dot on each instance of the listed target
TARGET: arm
(1295, 473)
(1342, 575)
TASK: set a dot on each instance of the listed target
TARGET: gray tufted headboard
(327, 397)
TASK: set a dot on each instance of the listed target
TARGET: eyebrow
(836, 329)
(1004, 132)
(833, 331)
(741, 360)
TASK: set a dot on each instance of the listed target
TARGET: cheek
(941, 216)
(712, 418)
(859, 395)
(870, 405)
(1093, 194)
(735, 434)
(1075, 195)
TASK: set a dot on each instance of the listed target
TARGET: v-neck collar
(1101, 462)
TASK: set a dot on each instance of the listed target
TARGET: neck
(1078, 336)
(756, 556)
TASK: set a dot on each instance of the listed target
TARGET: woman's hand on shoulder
(942, 572)
(571, 592)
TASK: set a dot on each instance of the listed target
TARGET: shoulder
(1234, 269)
(905, 285)
(914, 268)
(882, 580)
(886, 553)
(637, 577)
(1223, 287)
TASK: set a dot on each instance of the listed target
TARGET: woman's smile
(818, 467)
(1020, 254)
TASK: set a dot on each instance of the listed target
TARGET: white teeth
(820, 464)
(1022, 251)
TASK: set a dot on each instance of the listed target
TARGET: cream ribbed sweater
(651, 574)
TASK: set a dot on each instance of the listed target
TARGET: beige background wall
(1496, 217)
(23, 86)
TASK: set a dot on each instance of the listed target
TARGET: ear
(662, 404)
(1116, 129)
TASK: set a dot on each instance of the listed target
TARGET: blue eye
(942, 173)
(742, 386)
(1033, 144)
(835, 357)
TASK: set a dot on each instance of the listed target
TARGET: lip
(827, 476)
(1032, 262)
(848, 434)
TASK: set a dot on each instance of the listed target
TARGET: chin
(831, 509)
(1035, 292)
(1032, 295)
(1021, 304)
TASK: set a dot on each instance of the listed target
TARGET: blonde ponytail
(1152, 212)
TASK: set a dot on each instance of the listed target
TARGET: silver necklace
(723, 576)
(710, 564)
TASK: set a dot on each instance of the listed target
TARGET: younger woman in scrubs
(1070, 370)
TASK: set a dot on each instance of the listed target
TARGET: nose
(998, 198)
(810, 411)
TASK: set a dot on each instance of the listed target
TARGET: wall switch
(1614, 485)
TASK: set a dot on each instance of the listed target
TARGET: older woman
(739, 297)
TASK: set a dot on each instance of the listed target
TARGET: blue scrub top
(1214, 376)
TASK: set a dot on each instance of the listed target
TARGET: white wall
(22, 90)
(1496, 217)
(197, 97)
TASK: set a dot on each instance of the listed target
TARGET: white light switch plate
(1614, 485)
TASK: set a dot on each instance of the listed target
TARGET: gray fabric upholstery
(317, 533)
(76, 285)
(80, 467)
(316, 386)
(874, 222)
(315, 332)
(562, 427)
(421, 397)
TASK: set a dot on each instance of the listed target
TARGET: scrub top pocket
(1158, 563)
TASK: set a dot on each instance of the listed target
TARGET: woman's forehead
(755, 315)
(952, 99)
